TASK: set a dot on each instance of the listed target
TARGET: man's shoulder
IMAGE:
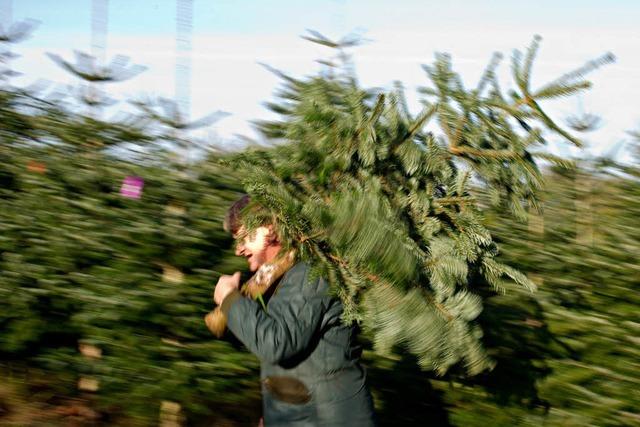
(302, 278)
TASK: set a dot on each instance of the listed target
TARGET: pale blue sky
(231, 36)
(286, 16)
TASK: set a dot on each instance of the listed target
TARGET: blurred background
(111, 112)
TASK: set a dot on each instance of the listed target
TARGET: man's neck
(272, 252)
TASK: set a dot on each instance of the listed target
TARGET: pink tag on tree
(132, 187)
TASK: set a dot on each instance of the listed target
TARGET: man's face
(255, 247)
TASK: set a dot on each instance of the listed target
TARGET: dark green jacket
(310, 369)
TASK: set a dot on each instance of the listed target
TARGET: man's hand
(226, 284)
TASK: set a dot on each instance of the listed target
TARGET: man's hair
(232, 220)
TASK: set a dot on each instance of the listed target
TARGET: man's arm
(286, 329)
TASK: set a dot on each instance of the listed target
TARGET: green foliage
(583, 256)
(382, 207)
(566, 355)
(82, 265)
(392, 213)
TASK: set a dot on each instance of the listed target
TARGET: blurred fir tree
(587, 295)
(82, 265)
(382, 207)
(107, 291)
(566, 356)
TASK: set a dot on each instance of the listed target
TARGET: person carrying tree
(310, 363)
(388, 215)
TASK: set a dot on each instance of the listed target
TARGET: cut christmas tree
(379, 200)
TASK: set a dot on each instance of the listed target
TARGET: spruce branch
(386, 211)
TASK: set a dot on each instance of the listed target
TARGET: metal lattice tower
(338, 17)
(11, 33)
(99, 22)
(6, 11)
(184, 26)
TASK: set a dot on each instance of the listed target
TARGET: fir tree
(103, 292)
(587, 295)
(382, 207)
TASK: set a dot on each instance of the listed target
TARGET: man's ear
(272, 237)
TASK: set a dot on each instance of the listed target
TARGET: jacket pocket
(287, 389)
(287, 401)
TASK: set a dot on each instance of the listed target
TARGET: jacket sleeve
(286, 328)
